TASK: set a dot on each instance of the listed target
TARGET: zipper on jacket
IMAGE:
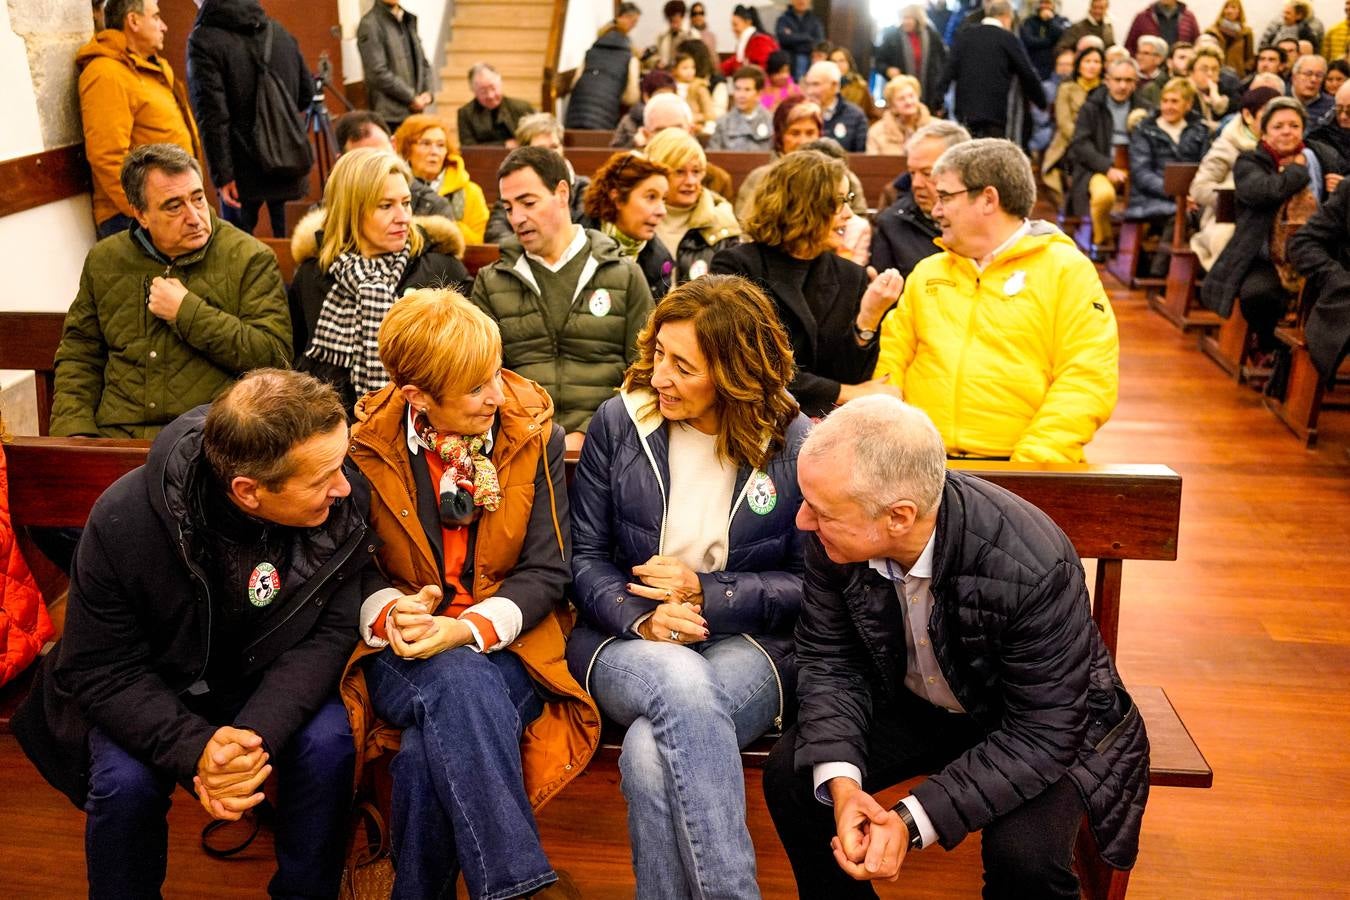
(656, 470)
(961, 366)
(777, 679)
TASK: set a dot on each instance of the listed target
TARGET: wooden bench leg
(1229, 347)
(1178, 301)
(1126, 261)
(1301, 404)
(1098, 881)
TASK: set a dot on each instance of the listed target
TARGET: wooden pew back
(29, 340)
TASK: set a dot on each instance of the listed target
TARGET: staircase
(512, 36)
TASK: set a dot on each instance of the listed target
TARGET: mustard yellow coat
(1020, 360)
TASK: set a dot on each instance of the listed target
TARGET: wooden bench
(1228, 347)
(1305, 390)
(1179, 301)
(579, 137)
(282, 248)
(1111, 513)
(28, 340)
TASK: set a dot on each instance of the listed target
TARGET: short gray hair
(478, 68)
(828, 68)
(998, 9)
(1152, 40)
(1307, 57)
(897, 452)
(1125, 61)
(996, 163)
(169, 158)
(659, 103)
(535, 124)
(943, 130)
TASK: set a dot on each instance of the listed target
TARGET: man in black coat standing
(214, 602)
(945, 628)
(994, 77)
(903, 232)
(224, 54)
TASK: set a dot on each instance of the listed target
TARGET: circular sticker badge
(600, 303)
(698, 269)
(762, 495)
(840, 130)
(264, 584)
(762, 132)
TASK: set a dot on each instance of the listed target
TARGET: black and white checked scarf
(347, 333)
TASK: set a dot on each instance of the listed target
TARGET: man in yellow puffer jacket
(1006, 339)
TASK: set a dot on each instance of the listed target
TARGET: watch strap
(915, 838)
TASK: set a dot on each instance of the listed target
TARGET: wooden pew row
(28, 340)
(1111, 513)
(875, 172)
(1179, 299)
(1228, 346)
(579, 137)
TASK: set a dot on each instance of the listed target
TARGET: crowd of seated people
(680, 345)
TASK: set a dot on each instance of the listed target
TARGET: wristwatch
(915, 838)
(866, 335)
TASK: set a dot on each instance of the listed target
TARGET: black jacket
(1321, 253)
(1090, 150)
(847, 126)
(987, 63)
(1331, 143)
(827, 354)
(597, 95)
(1040, 37)
(895, 50)
(654, 260)
(480, 125)
(1259, 192)
(139, 630)
(902, 235)
(224, 51)
(1012, 631)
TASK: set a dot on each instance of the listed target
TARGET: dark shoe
(562, 889)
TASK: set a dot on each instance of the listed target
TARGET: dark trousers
(987, 129)
(245, 216)
(1263, 300)
(126, 834)
(114, 224)
(1026, 853)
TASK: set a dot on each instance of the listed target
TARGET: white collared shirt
(986, 261)
(579, 243)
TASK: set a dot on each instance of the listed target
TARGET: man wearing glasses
(1305, 85)
(1006, 339)
(1331, 139)
(1098, 131)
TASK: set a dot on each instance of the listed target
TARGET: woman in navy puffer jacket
(687, 569)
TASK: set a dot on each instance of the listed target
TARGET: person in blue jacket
(798, 31)
(687, 568)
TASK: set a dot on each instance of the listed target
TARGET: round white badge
(263, 585)
(762, 495)
(698, 269)
(1016, 281)
(762, 131)
(600, 304)
(840, 131)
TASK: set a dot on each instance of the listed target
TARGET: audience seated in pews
(639, 124)
(698, 221)
(904, 232)
(1102, 127)
(538, 130)
(1040, 32)
(1268, 60)
(362, 128)
(707, 557)
(1236, 42)
(479, 566)
(213, 603)
(129, 97)
(1170, 136)
(796, 122)
(1043, 122)
(569, 305)
(224, 53)
(1331, 138)
(626, 201)
(1305, 86)
(1210, 101)
(398, 76)
(824, 301)
(1152, 57)
(852, 86)
(899, 699)
(904, 115)
(1338, 73)
(753, 43)
(1088, 69)
(1028, 381)
(747, 126)
(1321, 254)
(1216, 173)
(778, 82)
(434, 158)
(357, 255)
(1277, 185)
(844, 121)
(169, 313)
(490, 117)
(607, 82)
(993, 77)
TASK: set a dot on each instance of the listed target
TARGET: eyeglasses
(944, 198)
(845, 199)
(1343, 110)
(431, 145)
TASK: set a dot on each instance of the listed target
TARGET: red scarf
(1282, 161)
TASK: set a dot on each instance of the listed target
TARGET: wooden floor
(1249, 632)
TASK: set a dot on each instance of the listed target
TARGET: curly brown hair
(749, 356)
(796, 202)
(618, 177)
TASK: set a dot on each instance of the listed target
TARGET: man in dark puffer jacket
(945, 626)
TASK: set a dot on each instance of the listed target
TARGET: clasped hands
(230, 773)
(870, 841)
(680, 593)
(415, 632)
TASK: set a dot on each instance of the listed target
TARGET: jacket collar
(602, 251)
(643, 408)
(141, 238)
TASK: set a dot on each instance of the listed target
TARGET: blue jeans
(689, 710)
(126, 834)
(459, 789)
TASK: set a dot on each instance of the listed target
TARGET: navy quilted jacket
(618, 502)
(1013, 633)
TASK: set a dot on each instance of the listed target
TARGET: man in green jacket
(168, 314)
(568, 305)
